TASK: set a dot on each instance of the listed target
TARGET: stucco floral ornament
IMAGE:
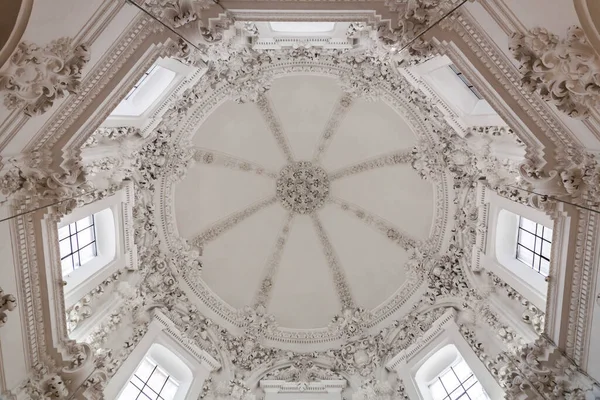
(8, 302)
(564, 72)
(35, 76)
(351, 323)
(360, 356)
(374, 390)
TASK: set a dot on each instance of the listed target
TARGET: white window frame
(459, 105)
(74, 236)
(444, 332)
(84, 279)
(167, 362)
(446, 368)
(545, 243)
(162, 331)
(154, 109)
(500, 250)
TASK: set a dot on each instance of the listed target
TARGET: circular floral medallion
(302, 187)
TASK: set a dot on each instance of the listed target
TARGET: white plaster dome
(304, 204)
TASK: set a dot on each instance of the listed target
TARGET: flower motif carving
(36, 76)
(8, 302)
(302, 187)
(564, 72)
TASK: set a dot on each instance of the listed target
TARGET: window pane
(67, 265)
(462, 370)
(150, 393)
(65, 247)
(169, 390)
(84, 222)
(145, 369)
(546, 248)
(87, 253)
(449, 380)
(157, 380)
(538, 246)
(85, 236)
(470, 381)
(74, 245)
(459, 393)
(545, 267)
(129, 393)
(525, 255)
(437, 390)
(63, 232)
(526, 239)
(548, 234)
(540, 229)
(527, 224)
(476, 392)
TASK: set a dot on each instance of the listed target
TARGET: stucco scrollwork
(35, 77)
(8, 302)
(564, 72)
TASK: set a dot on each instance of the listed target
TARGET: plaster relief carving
(192, 17)
(118, 133)
(565, 72)
(302, 187)
(537, 370)
(8, 303)
(35, 77)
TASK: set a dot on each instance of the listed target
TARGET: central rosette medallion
(302, 187)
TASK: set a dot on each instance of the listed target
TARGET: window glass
(77, 244)
(534, 244)
(467, 83)
(457, 382)
(150, 381)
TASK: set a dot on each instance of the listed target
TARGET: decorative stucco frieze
(8, 302)
(537, 370)
(564, 72)
(118, 133)
(191, 17)
(35, 77)
(495, 132)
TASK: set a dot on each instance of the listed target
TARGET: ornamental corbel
(564, 72)
(8, 302)
(34, 77)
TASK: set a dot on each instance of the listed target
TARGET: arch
(13, 21)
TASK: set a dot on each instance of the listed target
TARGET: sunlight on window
(150, 382)
(77, 243)
(457, 382)
(534, 243)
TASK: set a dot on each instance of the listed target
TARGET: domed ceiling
(302, 205)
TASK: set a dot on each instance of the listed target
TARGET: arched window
(447, 376)
(161, 375)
